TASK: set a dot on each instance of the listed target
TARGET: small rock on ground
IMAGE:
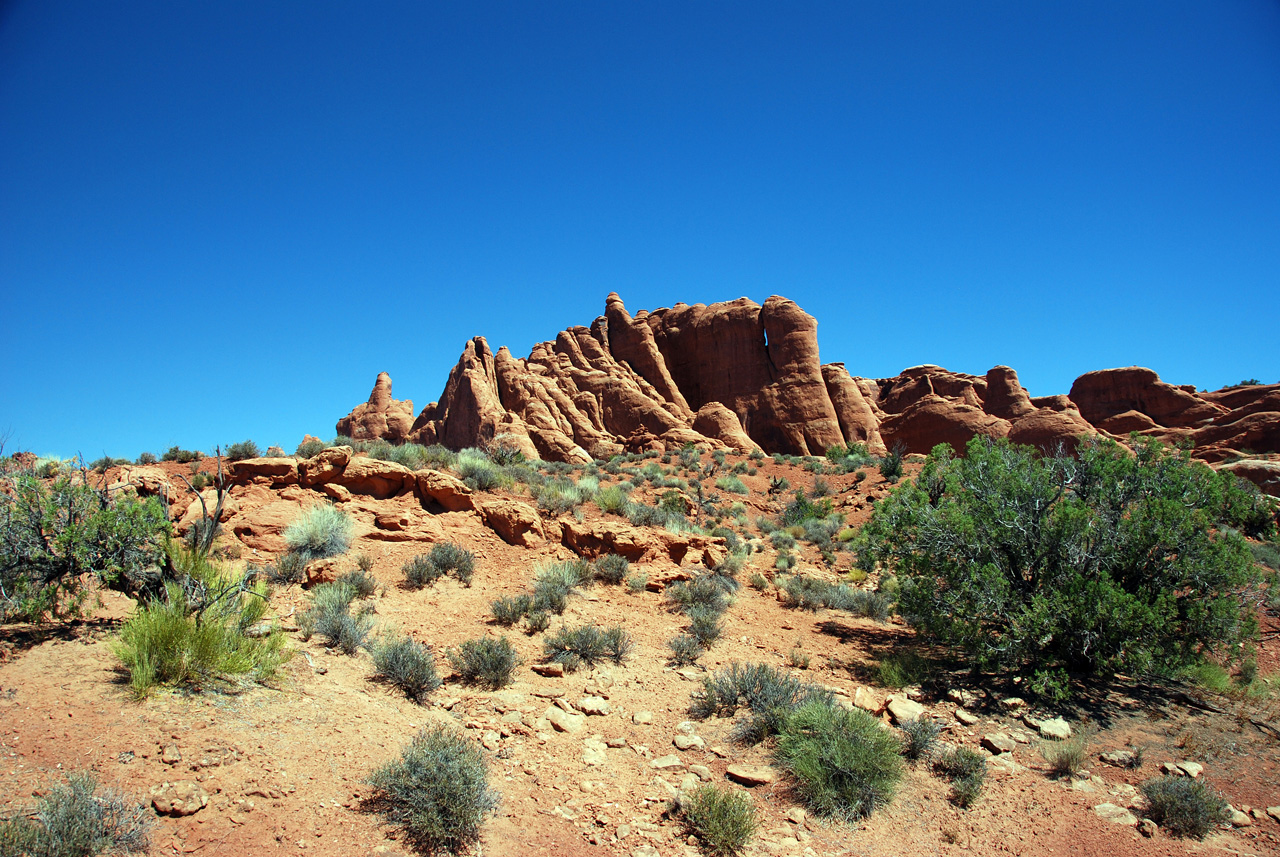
(752, 775)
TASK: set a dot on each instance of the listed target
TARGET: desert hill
(738, 375)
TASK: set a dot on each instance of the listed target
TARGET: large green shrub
(438, 791)
(1110, 560)
(200, 631)
(50, 535)
(845, 765)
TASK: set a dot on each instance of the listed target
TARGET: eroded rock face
(380, 417)
(741, 375)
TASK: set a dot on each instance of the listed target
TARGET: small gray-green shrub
(330, 616)
(77, 820)
(407, 664)
(768, 694)
(537, 621)
(1183, 806)
(919, 737)
(361, 582)
(732, 484)
(322, 530)
(310, 448)
(487, 661)
(685, 650)
(242, 450)
(705, 625)
(437, 791)
(967, 771)
(588, 644)
(844, 765)
(612, 568)
(723, 820)
(1065, 758)
(509, 610)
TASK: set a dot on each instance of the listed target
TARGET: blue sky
(221, 221)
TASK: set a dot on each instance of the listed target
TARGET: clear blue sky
(222, 220)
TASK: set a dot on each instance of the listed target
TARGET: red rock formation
(380, 417)
(742, 375)
(1108, 393)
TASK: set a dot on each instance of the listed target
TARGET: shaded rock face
(741, 375)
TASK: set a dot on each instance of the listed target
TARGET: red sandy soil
(284, 765)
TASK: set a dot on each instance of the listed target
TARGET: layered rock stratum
(742, 375)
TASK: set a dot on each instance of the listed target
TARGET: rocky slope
(740, 375)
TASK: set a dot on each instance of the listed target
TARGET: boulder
(382, 417)
(1265, 474)
(517, 523)
(263, 527)
(184, 797)
(325, 466)
(716, 421)
(276, 472)
(901, 709)
(145, 481)
(378, 479)
(443, 488)
(1050, 430)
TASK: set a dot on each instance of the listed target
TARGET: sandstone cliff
(741, 375)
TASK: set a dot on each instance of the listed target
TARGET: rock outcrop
(380, 417)
(741, 375)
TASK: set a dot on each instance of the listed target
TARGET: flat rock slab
(1115, 814)
(563, 721)
(998, 743)
(752, 775)
(1056, 729)
(689, 742)
(1120, 758)
(594, 706)
(551, 670)
(902, 709)
(671, 760)
(965, 717)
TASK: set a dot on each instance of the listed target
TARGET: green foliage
(487, 661)
(611, 499)
(310, 448)
(891, 464)
(587, 644)
(444, 558)
(903, 668)
(361, 582)
(102, 465)
(180, 455)
(919, 737)
(732, 484)
(199, 632)
(845, 766)
(967, 771)
(758, 581)
(407, 664)
(1065, 758)
(537, 621)
(723, 820)
(504, 451)
(1109, 561)
(638, 582)
(553, 583)
(242, 450)
(802, 509)
(330, 616)
(778, 484)
(612, 568)
(705, 625)
(437, 791)
(478, 471)
(767, 694)
(810, 593)
(685, 650)
(509, 610)
(1183, 806)
(147, 458)
(76, 820)
(320, 531)
(50, 535)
